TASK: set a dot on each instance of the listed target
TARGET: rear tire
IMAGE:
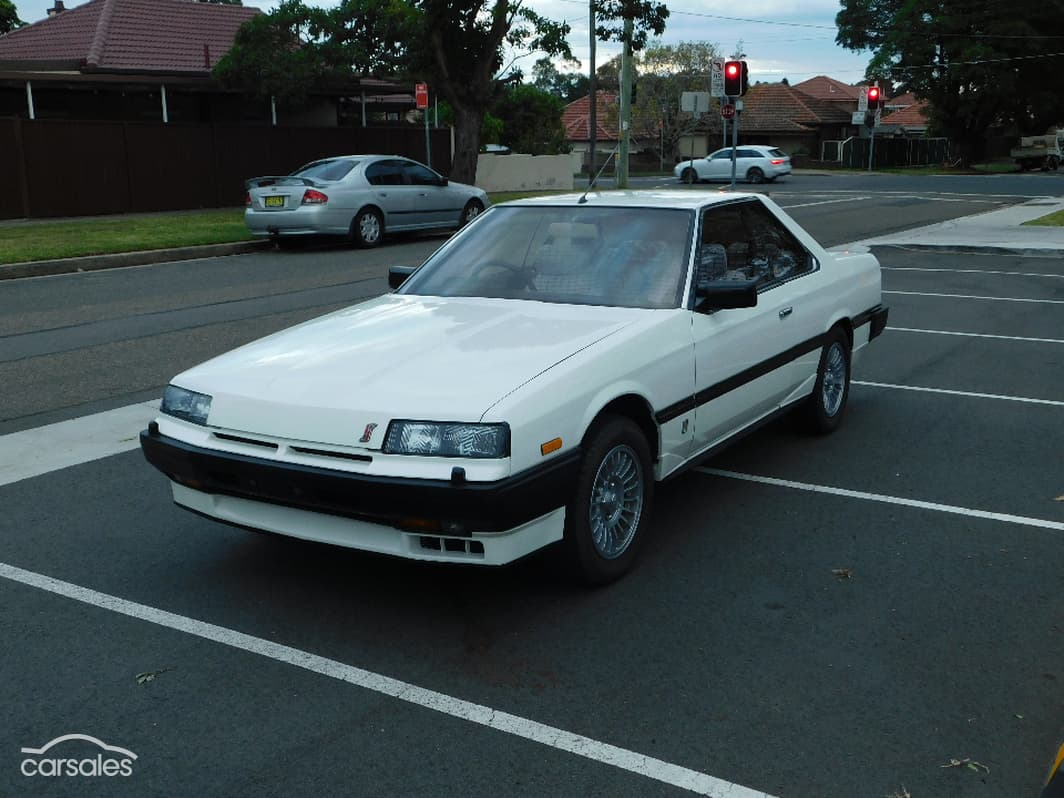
(755, 176)
(825, 406)
(609, 512)
(367, 228)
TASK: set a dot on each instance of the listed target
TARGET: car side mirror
(397, 276)
(714, 295)
(443, 181)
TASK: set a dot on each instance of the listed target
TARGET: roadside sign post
(697, 104)
(421, 96)
(736, 108)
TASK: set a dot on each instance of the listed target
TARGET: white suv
(752, 163)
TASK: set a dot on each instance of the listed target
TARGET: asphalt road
(812, 617)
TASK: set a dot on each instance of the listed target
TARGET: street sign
(716, 79)
(857, 118)
(727, 111)
(694, 102)
(421, 93)
(862, 102)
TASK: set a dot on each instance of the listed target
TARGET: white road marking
(967, 334)
(67, 443)
(974, 297)
(887, 500)
(976, 272)
(826, 202)
(1013, 399)
(634, 762)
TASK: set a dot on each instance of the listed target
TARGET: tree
(566, 86)
(532, 120)
(9, 20)
(665, 73)
(977, 65)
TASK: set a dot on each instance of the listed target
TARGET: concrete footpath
(999, 231)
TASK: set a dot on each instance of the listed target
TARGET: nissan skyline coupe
(529, 384)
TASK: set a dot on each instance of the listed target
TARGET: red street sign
(727, 111)
(421, 93)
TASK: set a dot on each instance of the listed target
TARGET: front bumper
(468, 507)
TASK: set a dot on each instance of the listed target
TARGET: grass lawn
(1049, 220)
(70, 238)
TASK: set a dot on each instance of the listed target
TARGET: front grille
(249, 441)
(329, 453)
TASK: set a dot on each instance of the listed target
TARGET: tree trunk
(466, 144)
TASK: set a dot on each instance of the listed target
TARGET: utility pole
(625, 117)
(592, 120)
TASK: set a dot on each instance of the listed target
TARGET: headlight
(447, 440)
(186, 405)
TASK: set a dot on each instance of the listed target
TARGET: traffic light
(875, 98)
(735, 78)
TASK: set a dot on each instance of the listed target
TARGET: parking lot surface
(873, 613)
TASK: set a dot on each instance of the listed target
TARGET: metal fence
(890, 152)
(81, 168)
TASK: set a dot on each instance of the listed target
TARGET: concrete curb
(88, 263)
(980, 249)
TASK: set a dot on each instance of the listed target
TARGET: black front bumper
(477, 506)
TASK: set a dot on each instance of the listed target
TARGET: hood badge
(367, 433)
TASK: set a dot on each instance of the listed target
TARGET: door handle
(786, 312)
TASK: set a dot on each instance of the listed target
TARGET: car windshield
(606, 256)
(330, 170)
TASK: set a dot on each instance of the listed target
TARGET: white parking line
(1014, 399)
(887, 500)
(977, 272)
(826, 202)
(68, 443)
(967, 334)
(974, 297)
(634, 762)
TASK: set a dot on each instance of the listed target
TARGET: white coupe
(529, 383)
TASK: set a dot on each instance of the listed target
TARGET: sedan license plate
(274, 201)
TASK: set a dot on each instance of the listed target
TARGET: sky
(792, 39)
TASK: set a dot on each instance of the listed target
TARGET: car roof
(361, 157)
(686, 200)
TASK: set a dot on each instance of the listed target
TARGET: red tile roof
(913, 116)
(135, 36)
(779, 108)
(828, 89)
(905, 100)
(576, 117)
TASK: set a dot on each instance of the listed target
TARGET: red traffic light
(732, 69)
(873, 93)
(735, 78)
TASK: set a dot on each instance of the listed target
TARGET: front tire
(367, 228)
(688, 176)
(611, 506)
(827, 403)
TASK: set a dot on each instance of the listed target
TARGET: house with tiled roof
(576, 119)
(132, 60)
(909, 118)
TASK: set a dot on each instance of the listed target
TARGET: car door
(745, 159)
(391, 193)
(718, 165)
(749, 361)
(434, 204)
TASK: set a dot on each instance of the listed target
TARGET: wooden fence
(87, 168)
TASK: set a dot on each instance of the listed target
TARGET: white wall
(525, 172)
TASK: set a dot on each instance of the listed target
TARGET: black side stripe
(760, 369)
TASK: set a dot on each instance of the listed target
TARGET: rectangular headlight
(447, 440)
(186, 404)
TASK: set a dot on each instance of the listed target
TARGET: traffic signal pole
(734, 147)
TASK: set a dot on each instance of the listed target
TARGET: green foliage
(9, 20)
(566, 86)
(647, 17)
(531, 121)
(977, 65)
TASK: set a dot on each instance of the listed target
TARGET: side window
(385, 172)
(417, 174)
(743, 242)
(747, 153)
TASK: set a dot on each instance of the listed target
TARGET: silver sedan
(360, 196)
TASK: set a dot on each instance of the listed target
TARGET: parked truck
(1040, 151)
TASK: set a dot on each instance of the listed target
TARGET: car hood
(398, 356)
